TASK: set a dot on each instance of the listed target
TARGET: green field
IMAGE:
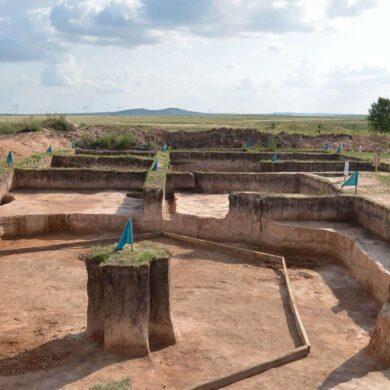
(354, 125)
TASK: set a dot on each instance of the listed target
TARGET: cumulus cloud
(31, 30)
(64, 71)
(347, 8)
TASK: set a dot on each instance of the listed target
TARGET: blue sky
(240, 56)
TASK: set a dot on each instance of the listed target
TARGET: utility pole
(86, 108)
(15, 108)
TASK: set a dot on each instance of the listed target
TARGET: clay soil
(25, 144)
(56, 201)
(228, 314)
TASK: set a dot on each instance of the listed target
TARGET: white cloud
(275, 46)
(32, 32)
(252, 83)
(64, 71)
(348, 8)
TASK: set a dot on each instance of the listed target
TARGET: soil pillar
(161, 332)
(95, 316)
(126, 309)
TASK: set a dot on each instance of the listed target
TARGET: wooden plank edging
(293, 355)
(223, 247)
(294, 308)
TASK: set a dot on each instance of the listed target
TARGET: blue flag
(49, 150)
(327, 146)
(126, 237)
(274, 157)
(10, 159)
(352, 181)
(73, 145)
(339, 149)
(155, 165)
(165, 147)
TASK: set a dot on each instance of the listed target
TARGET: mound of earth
(25, 144)
(234, 138)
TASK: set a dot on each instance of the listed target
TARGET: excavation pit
(229, 313)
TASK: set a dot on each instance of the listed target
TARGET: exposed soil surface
(57, 202)
(25, 144)
(201, 205)
(227, 315)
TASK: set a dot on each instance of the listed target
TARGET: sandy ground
(51, 202)
(227, 315)
(25, 144)
(202, 205)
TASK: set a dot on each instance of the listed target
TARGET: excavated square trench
(229, 313)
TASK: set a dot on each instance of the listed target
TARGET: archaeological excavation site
(248, 268)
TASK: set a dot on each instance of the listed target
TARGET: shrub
(107, 141)
(272, 143)
(57, 122)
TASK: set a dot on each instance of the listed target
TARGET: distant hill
(164, 112)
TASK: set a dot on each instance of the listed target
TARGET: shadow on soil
(352, 297)
(195, 252)
(69, 359)
(358, 366)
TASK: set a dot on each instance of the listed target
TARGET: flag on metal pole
(352, 181)
(73, 144)
(10, 159)
(49, 150)
(339, 149)
(126, 237)
(327, 146)
(274, 157)
(165, 147)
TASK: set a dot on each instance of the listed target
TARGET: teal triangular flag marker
(274, 157)
(155, 165)
(339, 149)
(73, 145)
(352, 181)
(10, 159)
(327, 146)
(126, 237)
(165, 147)
(49, 150)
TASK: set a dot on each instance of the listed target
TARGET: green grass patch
(157, 179)
(12, 125)
(353, 125)
(143, 253)
(124, 384)
(107, 141)
(57, 122)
